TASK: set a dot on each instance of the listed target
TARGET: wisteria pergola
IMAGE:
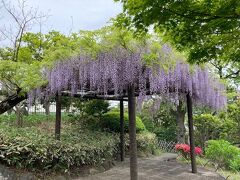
(123, 75)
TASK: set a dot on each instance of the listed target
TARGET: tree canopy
(207, 30)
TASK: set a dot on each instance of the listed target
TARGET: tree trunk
(67, 109)
(35, 107)
(9, 112)
(10, 102)
(24, 109)
(132, 133)
(180, 123)
(19, 116)
(46, 106)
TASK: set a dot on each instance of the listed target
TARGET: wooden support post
(132, 133)
(58, 117)
(122, 141)
(191, 134)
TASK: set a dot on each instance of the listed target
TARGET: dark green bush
(111, 122)
(207, 127)
(166, 133)
(31, 149)
(224, 153)
(96, 107)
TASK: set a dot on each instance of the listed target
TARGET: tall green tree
(208, 31)
(16, 70)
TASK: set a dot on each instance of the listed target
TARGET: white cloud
(74, 14)
(77, 14)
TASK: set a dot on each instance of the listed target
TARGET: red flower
(178, 146)
(184, 149)
(198, 150)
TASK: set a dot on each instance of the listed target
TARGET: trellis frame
(130, 97)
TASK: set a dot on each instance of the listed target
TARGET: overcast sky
(66, 15)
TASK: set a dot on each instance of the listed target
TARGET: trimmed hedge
(111, 122)
(31, 149)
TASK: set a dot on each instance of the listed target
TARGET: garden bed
(34, 148)
(29, 148)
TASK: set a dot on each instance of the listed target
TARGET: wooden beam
(87, 94)
(94, 96)
(122, 141)
(191, 134)
(132, 133)
(58, 117)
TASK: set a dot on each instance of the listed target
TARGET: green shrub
(229, 130)
(207, 127)
(146, 143)
(31, 119)
(166, 133)
(148, 122)
(96, 107)
(111, 122)
(31, 149)
(223, 153)
(235, 164)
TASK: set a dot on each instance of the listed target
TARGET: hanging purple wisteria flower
(111, 72)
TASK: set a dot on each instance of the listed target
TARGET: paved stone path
(164, 167)
(9, 174)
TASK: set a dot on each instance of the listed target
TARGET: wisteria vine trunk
(180, 123)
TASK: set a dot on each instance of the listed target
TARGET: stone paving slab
(164, 167)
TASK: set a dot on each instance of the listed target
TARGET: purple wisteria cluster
(111, 72)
